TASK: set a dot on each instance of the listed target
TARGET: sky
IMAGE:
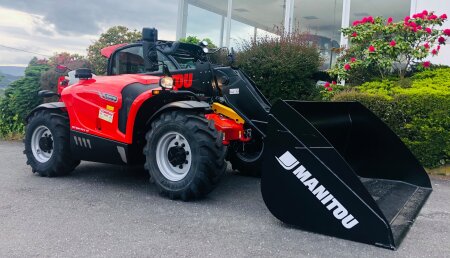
(49, 26)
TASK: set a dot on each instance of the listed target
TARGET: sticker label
(106, 115)
(234, 91)
(110, 108)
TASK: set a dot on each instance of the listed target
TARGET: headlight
(166, 82)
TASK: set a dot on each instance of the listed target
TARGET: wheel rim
(42, 144)
(173, 156)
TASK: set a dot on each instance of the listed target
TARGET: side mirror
(149, 38)
(83, 73)
(61, 68)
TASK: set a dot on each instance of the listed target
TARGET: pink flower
(412, 24)
(432, 17)
(425, 12)
(447, 32)
(428, 30)
(443, 17)
(370, 19)
(389, 20)
(393, 43)
(333, 82)
(407, 18)
(426, 64)
(352, 60)
(355, 23)
(347, 67)
(327, 84)
(434, 52)
(426, 45)
(371, 48)
(441, 40)
(438, 47)
(330, 89)
(354, 34)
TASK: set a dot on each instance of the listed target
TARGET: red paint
(107, 51)
(232, 130)
(83, 104)
(182, 80)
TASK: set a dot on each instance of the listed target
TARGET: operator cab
(129, 59)
(186, 63)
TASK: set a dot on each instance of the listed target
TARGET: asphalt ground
(109, 211)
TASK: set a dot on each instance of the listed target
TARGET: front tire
(47, 144)
(184, 155)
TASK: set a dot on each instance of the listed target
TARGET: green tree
(383, 46)
(114, 35)
(20, 98)
(195, 40)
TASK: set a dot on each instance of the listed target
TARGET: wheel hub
(42, 144)
(177, 156)
(46, 143)
(173, 156)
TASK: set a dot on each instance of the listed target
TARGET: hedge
(419, 114)
(282, 67)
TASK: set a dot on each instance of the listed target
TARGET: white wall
(440, 7)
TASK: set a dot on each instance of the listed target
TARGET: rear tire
(184, 155)
(47, 144)
(247, 157)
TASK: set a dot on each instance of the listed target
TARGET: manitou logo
(289, 162)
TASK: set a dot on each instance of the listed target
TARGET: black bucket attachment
(335, 168)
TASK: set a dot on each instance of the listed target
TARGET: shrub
(381, 47)
(20, 98)
(419, 115)
(281, 67)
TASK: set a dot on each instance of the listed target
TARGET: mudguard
(336, 169)
(50, 105)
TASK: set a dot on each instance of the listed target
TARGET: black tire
(207, 161)
(60, 161)
(247, 157)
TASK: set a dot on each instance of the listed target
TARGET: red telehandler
(331, 168)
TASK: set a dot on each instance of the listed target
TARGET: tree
(114, 35)
(195, 40)
(21, 97)
(384, 46)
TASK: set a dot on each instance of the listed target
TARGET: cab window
(185, 61)
(130, 60)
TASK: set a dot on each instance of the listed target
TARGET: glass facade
(229, 22)
(323, 20)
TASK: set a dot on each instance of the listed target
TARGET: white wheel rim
(173, 142)
(41, 154)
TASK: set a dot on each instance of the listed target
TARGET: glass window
(185, 61)
(398, 10)
(322, 19)
(205, 18)
(130, 61)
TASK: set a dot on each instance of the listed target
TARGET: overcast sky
(49, 26)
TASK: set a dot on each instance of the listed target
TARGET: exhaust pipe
(335, 168)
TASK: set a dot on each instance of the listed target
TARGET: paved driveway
(103, 210)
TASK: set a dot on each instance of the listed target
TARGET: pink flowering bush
(385, 47)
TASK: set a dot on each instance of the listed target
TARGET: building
(228, 22)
